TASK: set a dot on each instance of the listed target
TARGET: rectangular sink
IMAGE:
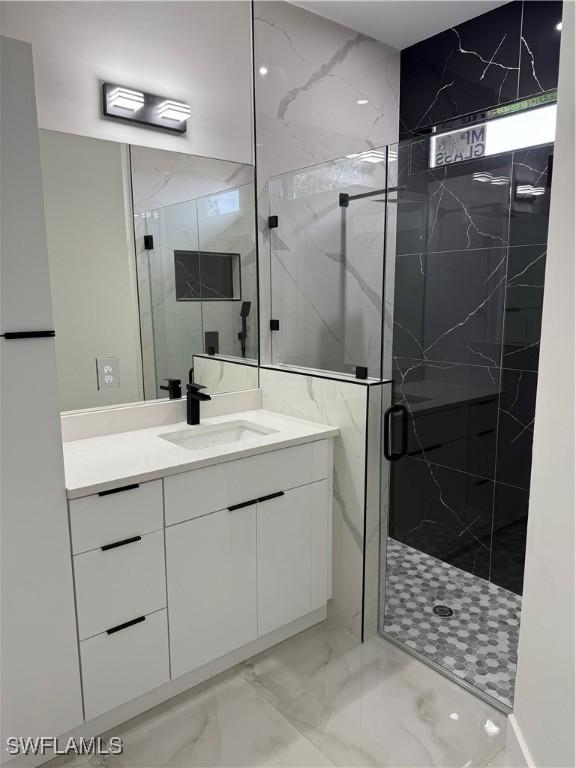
(197, 438)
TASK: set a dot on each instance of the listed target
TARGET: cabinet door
(293, 534)
(211, 567)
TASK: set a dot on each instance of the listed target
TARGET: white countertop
(100, 463)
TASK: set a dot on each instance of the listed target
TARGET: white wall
(92, 267)
(544, 715)
(198, 52)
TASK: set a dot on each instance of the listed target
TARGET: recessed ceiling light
(361, 101)
(263, 71)
(559, 26)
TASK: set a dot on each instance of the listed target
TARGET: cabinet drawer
(98, 520)
(114, 585)
(196, 493)
(128, 663)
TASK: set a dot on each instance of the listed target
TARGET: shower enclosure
(424, 263)
(327, 269)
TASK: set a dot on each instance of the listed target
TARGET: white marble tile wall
(310, 73)
(161, 178)
(232, 233)
(145, 309)
(219, 375)
(306, 101)
(177, 324)
(174, 195)
(342, 404)
(173, 330)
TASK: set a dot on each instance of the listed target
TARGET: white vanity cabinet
(238, 573)
(175, 573)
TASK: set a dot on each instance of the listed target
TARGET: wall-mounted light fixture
(175, 111)
(145, 108)
(124, 98)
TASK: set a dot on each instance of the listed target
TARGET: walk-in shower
(424, 263)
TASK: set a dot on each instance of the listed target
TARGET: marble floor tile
(373, 705)
(225, 724)
(499, 761)
(318, 699)
(66, 761)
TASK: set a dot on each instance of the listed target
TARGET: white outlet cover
(107, 373)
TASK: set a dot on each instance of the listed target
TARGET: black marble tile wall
(469, 280)
(470, 67)
(540, 47)
(509, 53)
(453, 414)
(530, 195)
(509, 536)
(448, 306)
(454, 525)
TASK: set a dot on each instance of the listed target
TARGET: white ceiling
(399, 23)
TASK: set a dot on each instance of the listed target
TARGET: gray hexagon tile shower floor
(478, 643)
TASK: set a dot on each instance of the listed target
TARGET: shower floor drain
(442, 610)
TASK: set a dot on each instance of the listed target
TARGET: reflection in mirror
(196, 257)
(130, 311)
(220, 374)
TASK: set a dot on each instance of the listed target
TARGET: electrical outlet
(107, 372)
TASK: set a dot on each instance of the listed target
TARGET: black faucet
(193, 398)
(173, 388)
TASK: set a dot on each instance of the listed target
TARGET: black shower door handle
(388, 416)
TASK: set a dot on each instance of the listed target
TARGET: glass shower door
(466, 244)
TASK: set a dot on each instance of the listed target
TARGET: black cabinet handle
(255, 501)
(119, 490)
(29, 334)
(388, 416)
(120, 543)
(271, 496)
(242, 505)
(126, 624)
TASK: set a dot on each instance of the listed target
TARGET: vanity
(195, 547)
(162, 553)
(146, 555)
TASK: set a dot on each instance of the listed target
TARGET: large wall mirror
(153, 270)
